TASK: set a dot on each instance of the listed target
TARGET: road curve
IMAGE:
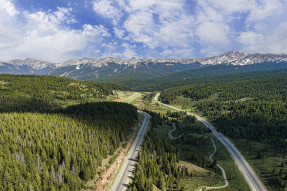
(210, 157)
(252, 179)
(222, 170)
(122, 180)
(170, 135)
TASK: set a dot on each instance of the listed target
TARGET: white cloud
(56, 45)
(45, 35)
(119, 32)
(165, 28)
(107, 9)
(158, 23)
(252, 41)
(129, 53)
(228, 8)
(265, 43)
(8, 7)
(266, 30)
(141, 28)
(213, 27)
(218, 23)
(213, 33)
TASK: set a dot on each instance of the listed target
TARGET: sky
(58, 30)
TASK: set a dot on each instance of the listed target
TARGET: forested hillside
(157, 163)
(254, 109)
(144, 82)
(45, 144)
(251, 112)
(178, 163)
(159, 86)
(60, 151)
(45, 93)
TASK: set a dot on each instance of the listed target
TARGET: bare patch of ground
(119, 100)
(100, 183)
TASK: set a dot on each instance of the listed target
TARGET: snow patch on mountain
(117, 66)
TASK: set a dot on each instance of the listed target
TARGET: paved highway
(248, 173)
(124, 176)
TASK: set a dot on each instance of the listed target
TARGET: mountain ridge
(91, 68)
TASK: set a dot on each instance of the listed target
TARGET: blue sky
(64, 29)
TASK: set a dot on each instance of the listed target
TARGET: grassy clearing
(143, 104)
(236, 179)
(201, 176)
(117, 95)
(193, 168)
(268, 162)
(132, 97)
(188, 104)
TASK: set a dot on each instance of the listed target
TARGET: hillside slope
(188, 76)
(45, 93)
(47, 144)
(250, 112)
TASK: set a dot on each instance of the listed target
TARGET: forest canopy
(254, 109)
(45, 93)
(44, 146)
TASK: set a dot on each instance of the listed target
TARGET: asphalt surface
(252, 179)
(124, 176)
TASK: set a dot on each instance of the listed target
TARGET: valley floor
(198, 180)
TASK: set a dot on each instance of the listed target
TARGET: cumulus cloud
(246, 25)
(46, 35)
(140, 26)
(251, 41)
(158, 23)
(8, 7)
(265, 28)
(145, 28)
(107, 9)
(213, 33)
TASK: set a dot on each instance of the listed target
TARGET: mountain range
(92, 69)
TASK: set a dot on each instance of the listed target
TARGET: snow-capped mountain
(27, 66)
(90, 68)
(33, 63)
(239, 58)
(228, 57)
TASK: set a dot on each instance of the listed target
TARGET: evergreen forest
(159, 163)
(254, 109)
(44, 146)
(252, 112)
(45, 93)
